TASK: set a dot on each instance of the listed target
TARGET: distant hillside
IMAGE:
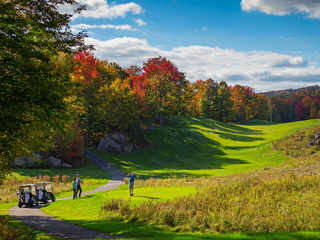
(287, 91)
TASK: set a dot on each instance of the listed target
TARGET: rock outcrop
(22, 161)
(315, 141)
(116, 143)
(35, 159)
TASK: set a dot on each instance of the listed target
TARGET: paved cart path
(34, 218)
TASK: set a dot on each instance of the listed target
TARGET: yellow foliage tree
(119, 106)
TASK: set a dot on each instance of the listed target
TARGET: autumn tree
(315, 108)
(209, 100)
(162, 76)
(241, 96)
(224, 102)
(118, 107)
(32, 89)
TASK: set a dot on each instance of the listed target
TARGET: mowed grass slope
(190, 146)
(204, 147)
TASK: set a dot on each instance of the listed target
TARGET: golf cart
(27, 195)
(45, 192)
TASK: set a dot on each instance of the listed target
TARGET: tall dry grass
(274, 199)
(10, 187)
(283, 198)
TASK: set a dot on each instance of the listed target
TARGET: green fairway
(204, 147)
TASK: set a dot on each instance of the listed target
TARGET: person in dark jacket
(79, 181)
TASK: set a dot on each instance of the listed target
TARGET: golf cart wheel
(45, 200)
(53, 199)
(20, 204)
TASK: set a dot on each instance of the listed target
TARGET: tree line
(115, 99)
(56, 95)
(289, 107)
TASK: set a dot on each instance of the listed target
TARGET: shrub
(69, 145)
(7, 232)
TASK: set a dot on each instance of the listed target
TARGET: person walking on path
(131, 177)
(78, 180)
(74, 185)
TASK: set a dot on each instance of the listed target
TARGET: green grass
(185, 146)
(85, 212)
(88, 207)
(204, 147)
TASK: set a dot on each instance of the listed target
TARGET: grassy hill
(237, 203)
(278, 202)
(204, 147)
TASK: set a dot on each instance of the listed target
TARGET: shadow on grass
(139, 230)
(176, 149)
(187, 143)
(153, 198)
(187, 122)
(258, 123)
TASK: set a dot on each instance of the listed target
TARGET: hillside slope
(204, 147)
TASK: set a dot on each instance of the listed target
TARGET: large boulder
(55, 161)
(311, 144)
(23, 161)
(116, 143)
(315, 141)
(66, 165)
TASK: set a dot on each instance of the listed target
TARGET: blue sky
(266, 44)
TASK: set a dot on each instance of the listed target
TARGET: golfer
(78, 180)
(131, 177)
(74, 185)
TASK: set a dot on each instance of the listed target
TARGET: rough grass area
(273, 203)
(295, 145)
(252, 202)
(204, 147)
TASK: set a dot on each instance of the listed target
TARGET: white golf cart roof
(27, 185)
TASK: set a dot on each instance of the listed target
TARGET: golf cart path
(34, 218)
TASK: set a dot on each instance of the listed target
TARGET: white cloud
(259, 69)
(310, 8)
(104, 26)
(101, 9)
(140, 22)
(205, 28)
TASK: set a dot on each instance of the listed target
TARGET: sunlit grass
(204, 147)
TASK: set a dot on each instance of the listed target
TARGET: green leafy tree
(209, 102)
(32, 88)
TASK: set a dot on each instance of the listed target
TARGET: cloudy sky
(265, 44)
